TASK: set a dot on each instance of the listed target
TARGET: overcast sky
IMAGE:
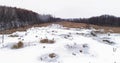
(68, 8)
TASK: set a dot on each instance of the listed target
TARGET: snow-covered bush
(77, 48)
(50, 57)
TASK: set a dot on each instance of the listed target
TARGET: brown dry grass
(47, 41)
(66, 24)
(18, 45)
(22, 28)
(52, 55)
(83, 25)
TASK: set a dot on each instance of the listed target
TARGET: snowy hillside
(57, 44)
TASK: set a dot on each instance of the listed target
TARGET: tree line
(12, 17)
(103, 20)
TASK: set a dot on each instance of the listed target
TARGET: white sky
(68, 8)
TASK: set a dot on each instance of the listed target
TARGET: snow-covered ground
(71, 45)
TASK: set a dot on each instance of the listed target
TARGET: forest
(12, 17)
(103, 20)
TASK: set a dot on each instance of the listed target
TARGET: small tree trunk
(2, 38)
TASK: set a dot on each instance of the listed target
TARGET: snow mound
(77, 48)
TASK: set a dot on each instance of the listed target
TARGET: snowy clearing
(60, 45)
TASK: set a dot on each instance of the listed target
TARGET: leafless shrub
(74, 54)
(85, 45)
(108, 42)
(14, 35)
(80, 51)
(44, 47)
(93, 33)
